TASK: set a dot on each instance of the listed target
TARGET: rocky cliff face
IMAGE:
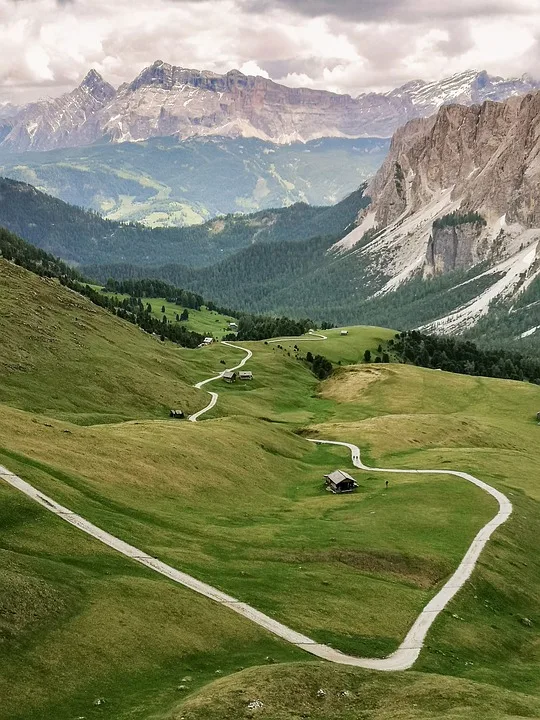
(166, 100)
(453, 248)
(483, 159)
(67, 121)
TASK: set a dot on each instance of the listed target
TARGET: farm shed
(245, 375)
(340, 482)
(177, 414)
(344, 332)
(229, 376)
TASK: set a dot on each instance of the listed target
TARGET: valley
(269, 361)
(166, 183)
(237, 500)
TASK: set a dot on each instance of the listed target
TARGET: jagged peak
(91, 78)
(94, 84)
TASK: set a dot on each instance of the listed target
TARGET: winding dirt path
(214, 396)
(407, 653)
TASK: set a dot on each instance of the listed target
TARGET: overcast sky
(47, 46)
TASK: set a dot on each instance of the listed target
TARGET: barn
(339, 482)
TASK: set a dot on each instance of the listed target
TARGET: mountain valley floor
(238, 501)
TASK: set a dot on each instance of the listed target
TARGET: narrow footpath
(407, 653)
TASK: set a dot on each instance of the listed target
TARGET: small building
(245, 375)
(340, 482)
(538, 416)
(177, 414)
(208, 341)
(233, 326)
(229, 376)
(344, 332)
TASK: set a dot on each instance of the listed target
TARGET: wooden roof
(339, 476)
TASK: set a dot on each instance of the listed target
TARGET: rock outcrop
(481, 161)
(166, 100)
(453, 248)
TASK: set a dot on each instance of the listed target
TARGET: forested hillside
(80, 236)
(163, 182)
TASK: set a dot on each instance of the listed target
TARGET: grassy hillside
(238, 500)
(64, 357)
(163, 182)
(203, 321)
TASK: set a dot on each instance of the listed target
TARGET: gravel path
(214, 396)
(407, 653)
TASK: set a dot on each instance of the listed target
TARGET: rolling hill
(238, 501)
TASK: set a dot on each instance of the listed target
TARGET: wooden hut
(340, 482)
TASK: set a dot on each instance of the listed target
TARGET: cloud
(402, 11)
(352, 46)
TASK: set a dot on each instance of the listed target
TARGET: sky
(346, 46)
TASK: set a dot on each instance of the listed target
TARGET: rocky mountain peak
(94, 84)
(458, 189)
(168, 100)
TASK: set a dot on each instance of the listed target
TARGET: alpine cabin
(229, 377)
(339, 482)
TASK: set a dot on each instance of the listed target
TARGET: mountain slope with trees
(80, 236)
(167, 183)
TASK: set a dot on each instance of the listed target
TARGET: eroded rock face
(485, 154)
(68, 121)
(453, 248)
(166, 100)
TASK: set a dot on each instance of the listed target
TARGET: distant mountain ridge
(165, 100)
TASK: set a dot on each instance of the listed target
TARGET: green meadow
(238, 500)
(204, 321)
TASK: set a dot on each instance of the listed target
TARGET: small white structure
(208, 341)
(245, 375)
(344, 332)
(233, 326)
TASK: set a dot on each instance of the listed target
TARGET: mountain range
(445, 237)
(164, 100)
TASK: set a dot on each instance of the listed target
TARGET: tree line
(456, 218)
(463, 356)
(134, 310)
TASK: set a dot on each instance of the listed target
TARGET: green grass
(64, 357)
(238, 501)
(344, 349)
(204, 321)
(293, 691)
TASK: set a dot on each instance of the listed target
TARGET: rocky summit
(165, 100)
(458, 190)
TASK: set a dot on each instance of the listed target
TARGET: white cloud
(341, 45)
(251, 68)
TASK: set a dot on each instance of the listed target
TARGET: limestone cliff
(165, 100)
(483, 159)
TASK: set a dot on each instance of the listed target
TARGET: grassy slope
(65, 357)
(203, 321)
(260, 526)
